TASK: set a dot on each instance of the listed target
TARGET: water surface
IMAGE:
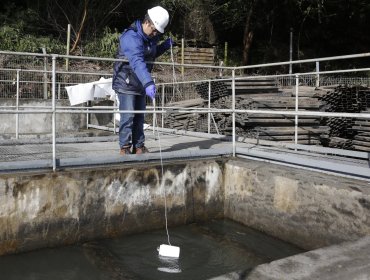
(206, 250)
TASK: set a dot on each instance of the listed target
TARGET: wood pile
(361, 140)
(253, 87)
(198, 56)
(185, 121)
(344, 133)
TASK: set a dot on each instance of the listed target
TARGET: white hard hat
(159, 16)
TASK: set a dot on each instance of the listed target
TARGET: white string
(160, 151)
(164, 187)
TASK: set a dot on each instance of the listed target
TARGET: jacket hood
(139, 27)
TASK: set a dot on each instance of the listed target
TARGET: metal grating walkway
(20, 156)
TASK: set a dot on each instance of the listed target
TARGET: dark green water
(207, 250)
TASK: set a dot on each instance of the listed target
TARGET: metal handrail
(55, 110)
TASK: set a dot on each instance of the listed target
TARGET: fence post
(317, 73)
(45, 76)
(53, 84)
(17, 107)
(296, 111)
(209, 106)
(162, 105)
(182, 56)
(68, 45)
(233, 111)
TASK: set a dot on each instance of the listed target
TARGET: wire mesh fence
(187, 87)
(323, 80)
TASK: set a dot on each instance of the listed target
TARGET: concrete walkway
(81, 151)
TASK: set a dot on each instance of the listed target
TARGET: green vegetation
(257, 31)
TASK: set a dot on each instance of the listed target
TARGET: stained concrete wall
(307, 208)
(39, 123)
(39, 210)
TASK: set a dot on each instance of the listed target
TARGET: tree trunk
(248, 34)
(247, 45)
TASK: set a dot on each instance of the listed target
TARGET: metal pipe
(305, 61)
(361, 55)
(114, 115)
(209, 106)
(194, 81)
(17, 108)
(45, 76)
(233, 111)
(163, 86)
(53, 78)
(296, 110)
(68, 44)
(318, 74)
(206, 111)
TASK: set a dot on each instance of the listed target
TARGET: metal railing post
(17, 108)
(45, 76)
(209, 106)
(296, 111)
(162, 105)
(317, 74)
(114, 114)
(233, 111)
(53, 85)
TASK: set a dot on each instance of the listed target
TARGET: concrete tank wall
(307, 208)
(39, 210)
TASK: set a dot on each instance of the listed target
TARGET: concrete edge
(305, 162)
(109, 160)
(347, 260)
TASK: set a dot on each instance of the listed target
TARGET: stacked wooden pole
(345, 133)
(185, 121)
(361, 140)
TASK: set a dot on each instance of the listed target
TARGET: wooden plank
(361, 148)
(205, 50)
(361, 128)
(361, 143)
(362, 138)
(203, 62)
(206, 55)
(280, 121)
(288, 137)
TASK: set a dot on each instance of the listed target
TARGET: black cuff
(148, 84)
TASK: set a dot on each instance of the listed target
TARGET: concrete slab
(350, 260)
(37, 153)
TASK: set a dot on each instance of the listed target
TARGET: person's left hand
(150, 91)
(169, 42)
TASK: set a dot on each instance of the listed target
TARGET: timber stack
(263, 94)
(361, 140)
(253, 93)
(347, 133)
(180, 120)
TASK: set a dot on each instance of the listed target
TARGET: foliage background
(257, 31)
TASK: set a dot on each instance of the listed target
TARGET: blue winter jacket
(139, 49)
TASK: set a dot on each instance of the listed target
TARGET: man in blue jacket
(132, 80)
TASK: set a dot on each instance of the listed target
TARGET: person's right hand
(150, 91)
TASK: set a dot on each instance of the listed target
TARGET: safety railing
(190, 85)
